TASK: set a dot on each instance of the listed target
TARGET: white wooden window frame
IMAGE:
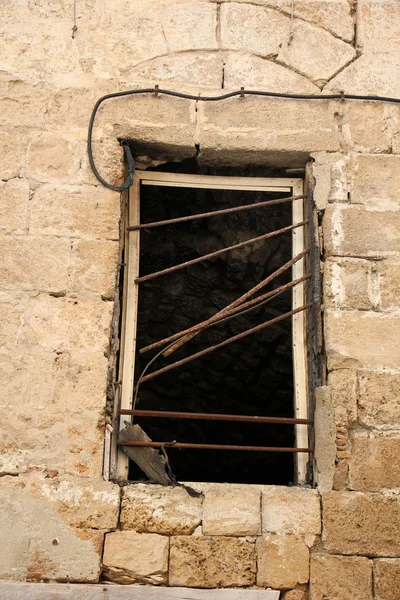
(130, 302)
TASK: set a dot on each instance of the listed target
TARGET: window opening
(235, 381)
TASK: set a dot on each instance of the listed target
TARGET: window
(263, 371)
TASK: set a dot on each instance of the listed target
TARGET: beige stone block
(95, 536)
(131, 557)
(232, 511)
(256, 72)
(378, 25)
(53, 158)
(11, 321)
(22, 104)
(365, 128)
(348, 337)
(84, 435)
(158, 509)
(255, 29)
(361, 232)
(387, 578)
(324, 434)
(361, 523)
(378, 397)
(212, 562)
(376, 180)
(295, 595)
(389, 284)
(14, 200)
(340, 577)
(282, 560)
(93, 268)
(314, 52)
(83, 210)
(369, 73)
(34, 263)
(83, 382)
(108, 157)
(10, 155)
(63, 324)
(330, 171)
(349, 283)
(291, 510)
(343, 385)
(374, 464)
(190, 26)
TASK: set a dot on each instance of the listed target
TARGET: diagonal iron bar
(260, 238)
(215, 213)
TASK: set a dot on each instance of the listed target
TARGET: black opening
(253, 376)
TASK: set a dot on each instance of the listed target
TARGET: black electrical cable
(242, 93)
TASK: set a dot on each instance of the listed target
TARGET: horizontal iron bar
(194, 261)
(235, 338)
(214, 417)
(214, 213)
(213, 447)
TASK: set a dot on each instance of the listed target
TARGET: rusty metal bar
(224, 312)
(165, 414)
(213, 447)
(235, 338)
(194, 261)
(215, 213)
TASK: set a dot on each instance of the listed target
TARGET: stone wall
(60, 239)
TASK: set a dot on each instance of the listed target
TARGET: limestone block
(190, 26)
(369, 73)
(231, 511)
(387, 578)
(83, 380)
(212, 562)
(108, 157)
(14, 200)
(314, 53)
(330, 171)
(86, 211)
(255, 72)
(255, 29)
(378, 398)
(22, 104)
(10, 155)
(361, 232)
(324, 433)
(376, 180)
(361, 523)
(343, 395)
(374, 464)
(291, 510)
(282, 561)
(158, 509)
(378, 25)
(340, 577)
(52, 158)
(349, 335)
(265, 131)
(131, 557)
(366, 129)
(11, 321)
(348, 283)
(93, 267)
(295, 595)
(61, 324)
(84, 435)
(34, 263)
(389, 283)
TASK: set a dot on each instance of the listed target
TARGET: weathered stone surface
(324, 432)
(314, 52)
(256, 72)
(376, 180)
(291, 510)
(361, 232)
(251, 28)
(75, 211)
(158, 509)
(282, 561)
(14, 199)
(340, 577)
(93, 267)
(84, 438)
(131, 557)
(344, 397)
(192, 68)
(85, 379)
(346, 334)
(231, 510)
(366, 127)
(190, 26)
(10, 155)
(366, 75)
(361, 523)
(349, 283)
(378, 397)
(378, 25)
(46, 158)
(374, 464)
(389, 284)
(330, 171)
(34, 263)
(295, 595)
(208, 562)
(387, 578)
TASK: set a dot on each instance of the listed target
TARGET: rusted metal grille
(243, 304)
